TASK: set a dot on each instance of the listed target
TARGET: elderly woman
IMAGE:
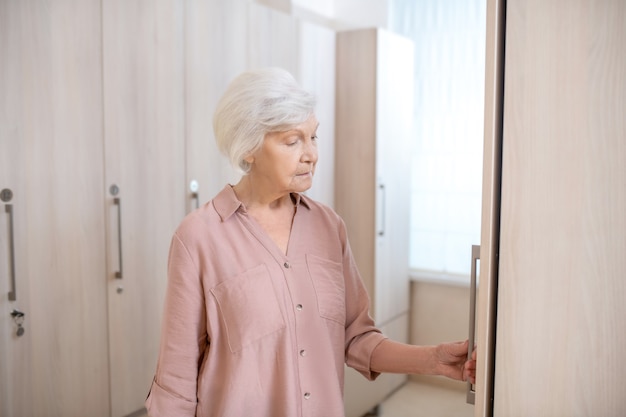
(264, 303)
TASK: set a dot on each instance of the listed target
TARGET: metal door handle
(114, 190)
(13, 292)
(472, 321)
(381, 214)
(6, 196)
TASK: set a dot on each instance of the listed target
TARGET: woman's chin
(303, 183)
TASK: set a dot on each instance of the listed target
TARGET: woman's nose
(310, 152)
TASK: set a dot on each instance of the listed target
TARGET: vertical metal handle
(114, 190)
(472, 321)
(13, 292)
(118, 202)
(6, 195)
(381, 215)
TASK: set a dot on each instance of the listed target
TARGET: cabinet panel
(15, 364)
(563, 232)
(51, 158)
(355, 147)
(394, 127)
(145, 158)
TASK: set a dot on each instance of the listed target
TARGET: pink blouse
(251, 332)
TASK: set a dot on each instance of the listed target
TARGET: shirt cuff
(359, 354)
(162, 403)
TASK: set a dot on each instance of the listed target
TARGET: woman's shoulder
(205, 220)
(323, 212)
(198, 222)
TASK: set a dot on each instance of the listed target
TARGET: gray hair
(256, 103)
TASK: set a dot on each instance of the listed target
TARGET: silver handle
(118, 202)
(114, 190)
(8, 208)
(472, 321)
(381, 216)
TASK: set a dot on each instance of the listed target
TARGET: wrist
(435, 364)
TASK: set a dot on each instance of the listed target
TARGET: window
(449, 38)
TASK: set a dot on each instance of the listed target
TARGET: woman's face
(286, 161)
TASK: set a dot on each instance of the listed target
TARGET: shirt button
(303, 352)
(286, 265)
(307, 395)
(299, 307)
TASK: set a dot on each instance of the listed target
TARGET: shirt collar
(226, 202)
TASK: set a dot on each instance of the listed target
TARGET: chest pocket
(249, 307)
(327, 278)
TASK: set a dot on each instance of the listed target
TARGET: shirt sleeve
(362, 336)
(183, 338)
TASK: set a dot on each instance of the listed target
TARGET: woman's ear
(249, 158)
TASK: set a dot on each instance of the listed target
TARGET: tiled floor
(417, 399)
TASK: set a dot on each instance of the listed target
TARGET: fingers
(453, 357)
(469, 371)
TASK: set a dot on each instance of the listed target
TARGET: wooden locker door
(561, 289)
(15, 352)
(481, 393)
(51, 158)
(144, 158)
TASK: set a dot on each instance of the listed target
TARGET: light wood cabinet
(51, 126)
(94, 97)
(117, 95)
(554, 230)
(144, 154)
(373, 133)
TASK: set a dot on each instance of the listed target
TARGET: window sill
(442, 278)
